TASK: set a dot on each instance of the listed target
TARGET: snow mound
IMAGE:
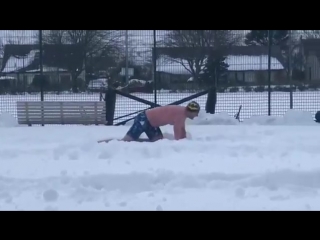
(170, 136)
(221, 118)
(291, 118)
(50, 195)
(7, 120)
(263, 120)
(296, 117)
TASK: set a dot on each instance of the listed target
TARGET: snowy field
(265, 163)
(252, 103)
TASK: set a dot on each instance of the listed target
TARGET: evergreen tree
(260, 37)
(215, 67)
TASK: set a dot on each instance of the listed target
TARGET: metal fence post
(269, 70)
(155, 66)
(127, 58)
(41, 67)
(289, 69)
(41, 64)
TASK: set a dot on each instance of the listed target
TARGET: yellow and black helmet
(193, 106)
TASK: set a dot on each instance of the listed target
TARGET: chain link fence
(265, 71)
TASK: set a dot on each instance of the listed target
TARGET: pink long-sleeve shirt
(173, 115)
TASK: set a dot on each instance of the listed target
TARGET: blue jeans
(142, 125)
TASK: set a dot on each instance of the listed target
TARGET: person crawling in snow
(150, 121)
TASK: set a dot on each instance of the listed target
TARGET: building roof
(239, 58)
(234, 50)
(23, 58)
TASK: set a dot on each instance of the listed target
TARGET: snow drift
(222, 168)
(291, 118)
(7, 120)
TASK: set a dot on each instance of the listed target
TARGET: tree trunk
(75, 83)
(211, 101)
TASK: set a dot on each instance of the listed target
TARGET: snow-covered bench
(62, 112)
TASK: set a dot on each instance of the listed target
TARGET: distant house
(247, 64)
(22, 62)
(310, 49)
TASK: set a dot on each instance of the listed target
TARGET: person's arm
(179, 129)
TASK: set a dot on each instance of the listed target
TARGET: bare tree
(195, 44)
(55, 37)
(297, 58)
(310, 34)
(1, 48)
(89, 42)
(140, 46)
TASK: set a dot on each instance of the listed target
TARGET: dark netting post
(41, 68)
(110, 100)
(41, 65)
(211, 101)
(155, 66)
(290, 69)
(127, 57)
(269, 70)
(212, 93)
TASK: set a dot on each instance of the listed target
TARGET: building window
(65, 78)
(240, 76)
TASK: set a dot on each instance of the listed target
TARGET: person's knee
(127, 138)
(130, 135)
(134, 132)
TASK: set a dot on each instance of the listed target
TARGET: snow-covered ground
(265, 163)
